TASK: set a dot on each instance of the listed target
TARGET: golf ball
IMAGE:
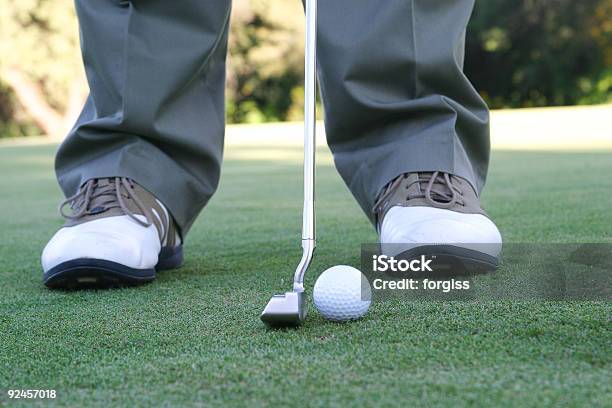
(338, 293)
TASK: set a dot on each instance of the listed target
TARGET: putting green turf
(194, 336)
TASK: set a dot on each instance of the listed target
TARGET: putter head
(288, 310)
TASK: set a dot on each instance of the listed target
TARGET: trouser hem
(149, 167)
(366, 170)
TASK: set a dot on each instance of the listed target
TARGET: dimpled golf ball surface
(337, 294)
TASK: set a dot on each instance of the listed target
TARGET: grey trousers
(391, 76)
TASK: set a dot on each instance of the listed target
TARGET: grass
(193, 337)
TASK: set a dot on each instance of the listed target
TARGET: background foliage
(520, 53)
(541, 52)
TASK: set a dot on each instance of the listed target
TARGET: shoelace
(439, 190)
(93, 198)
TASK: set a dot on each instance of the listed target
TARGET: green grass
(194, 336)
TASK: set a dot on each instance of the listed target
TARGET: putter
(290, 309)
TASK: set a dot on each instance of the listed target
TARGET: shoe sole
(451, 260)
(100, 274)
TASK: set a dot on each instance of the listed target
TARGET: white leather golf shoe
(118, 234)
(438, 214)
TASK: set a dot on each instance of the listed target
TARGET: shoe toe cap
(122, 246)
(423, 225)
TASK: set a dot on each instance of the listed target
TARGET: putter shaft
(310, 118)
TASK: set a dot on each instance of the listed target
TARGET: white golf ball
(338, 293)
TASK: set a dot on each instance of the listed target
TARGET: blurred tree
(523, 53)
(39, 61)
(265, 63)
(13, 120)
